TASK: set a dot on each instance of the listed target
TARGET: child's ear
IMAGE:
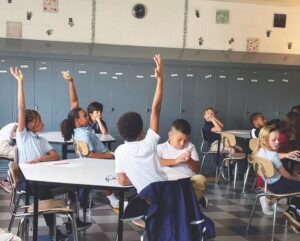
(170, 134)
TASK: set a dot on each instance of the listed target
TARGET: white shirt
(31, 146)
(167, 151)
(139, 161)
(5, 132)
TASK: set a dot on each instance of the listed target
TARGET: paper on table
(63, 163)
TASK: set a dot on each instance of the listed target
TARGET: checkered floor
(229, 209)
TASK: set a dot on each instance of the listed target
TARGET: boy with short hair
(257, 121)
(137, 162)
(179, 157)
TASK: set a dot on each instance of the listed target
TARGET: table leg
(35, 211)
(218, 159)
(120, 221)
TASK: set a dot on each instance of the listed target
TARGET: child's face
(209, 114)
(259, 122)
(273, 141)
(96, 115)
(177, 139)
(83, 118)
(36, 125)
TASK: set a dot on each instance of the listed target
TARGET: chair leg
(274, 219)
(246, 178)
(235, 174)
(72, 217)
(202, 163)
(12, 220)
(253, 209)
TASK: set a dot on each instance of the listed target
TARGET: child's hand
(159, 66)
(33, 161)
(294, 154)
(17, 73)
(66, 75)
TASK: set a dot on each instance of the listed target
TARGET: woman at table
(77, 126)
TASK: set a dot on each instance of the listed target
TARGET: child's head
(130, 126)
(269, 138)
(209, 113)
(77, 117)
(257, 120)
(33, 121)
(296, 108)
(94, 110)
(179, 133)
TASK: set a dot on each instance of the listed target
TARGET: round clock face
(139, 10)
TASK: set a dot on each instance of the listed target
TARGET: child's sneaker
(267, 210)
(279, 209)
(292, 217)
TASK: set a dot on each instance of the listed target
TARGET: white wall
(162, 26)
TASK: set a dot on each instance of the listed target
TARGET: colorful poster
(13, 29)
(252, 44)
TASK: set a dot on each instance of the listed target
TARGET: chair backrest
(253, 144)
(263, 167)
(81, 149)
(204, 148)
(14, 173)
(228, 139)
(16, 154)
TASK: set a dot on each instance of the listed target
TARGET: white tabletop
(56, 137)
(81, 171)
(245, 134)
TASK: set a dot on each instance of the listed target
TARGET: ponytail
(67, 126)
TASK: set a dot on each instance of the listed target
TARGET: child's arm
(218, 125)
(157, 99)
(72, 89)
(103, 129)
(193, 165)
(287, 175)
(173, 162)
(123, 179)
(21, 97)
(51, 156)
(291, 154)
(101, 155)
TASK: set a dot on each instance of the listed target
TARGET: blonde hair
(264, 134)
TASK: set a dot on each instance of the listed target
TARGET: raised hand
(159, 66)
(67, 75)
(17, 73)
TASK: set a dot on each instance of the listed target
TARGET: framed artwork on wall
(252, 44)
(50, 6)
(222, 16)
(13, 29)
(279, 20)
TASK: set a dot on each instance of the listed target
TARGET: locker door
(7, 99)
(221, 94)
(101, 90)
(252, 96)
(137, 81)
(44, 91)
(83, 79)
(119, 98)
(27, 68)
(171, 100)
(295, 87)
(188, 98)
(236, 99)
(61, 93)
(205, 98)
(284, 90)
(267, 94)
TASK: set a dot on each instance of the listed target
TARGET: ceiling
(265, 2)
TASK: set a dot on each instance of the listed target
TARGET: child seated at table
(77, 126)
(179, 157)
(257, 121)
(282, 181)
(137, 162)
(7, 133)
(95, 112)
(32, 148)
(211, 131)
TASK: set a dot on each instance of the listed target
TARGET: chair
(205, 149)
(265, 169)
(81, 149)
(229, 140)
(253, 145)
(54, 206)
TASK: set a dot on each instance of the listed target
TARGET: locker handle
(36, 107)
(147, 110)
(112, 109)
(183, 111)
